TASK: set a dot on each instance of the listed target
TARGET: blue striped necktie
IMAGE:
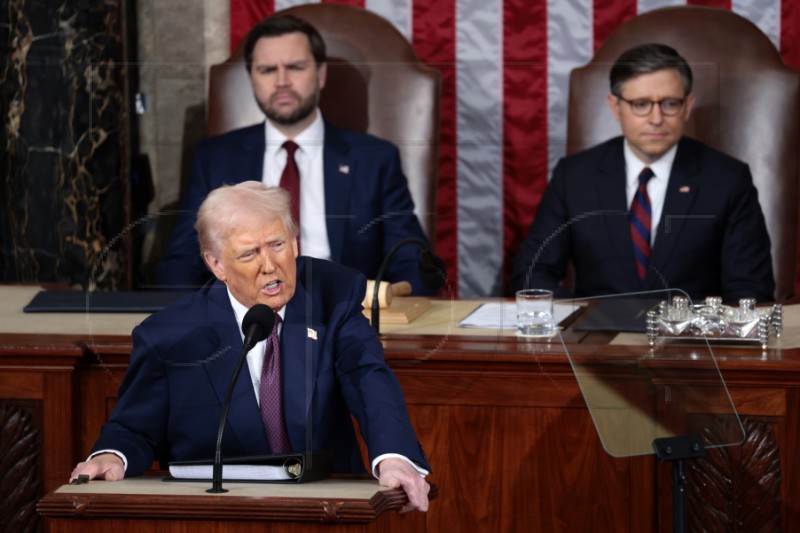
(640, 219)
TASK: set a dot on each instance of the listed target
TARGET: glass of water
(535, 313)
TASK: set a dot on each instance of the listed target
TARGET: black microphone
(257, 324)
(431, 272)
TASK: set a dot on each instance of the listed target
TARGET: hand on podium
(108, 466)
(394, 473)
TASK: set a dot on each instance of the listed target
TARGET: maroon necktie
(290, 179)
(640, 216)
(269, 393)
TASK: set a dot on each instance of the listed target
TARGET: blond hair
(218, 213)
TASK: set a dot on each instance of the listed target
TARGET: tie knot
(275, 325)
(645, 175)
(290, 147)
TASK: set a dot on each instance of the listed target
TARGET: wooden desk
(511, 442)
(150, 504)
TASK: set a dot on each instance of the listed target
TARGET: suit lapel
(681, 192)
(244, 418)
(339, 169)
(301, 343)
(251, 165)
(611, 190)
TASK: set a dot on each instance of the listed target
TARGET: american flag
(505, 66)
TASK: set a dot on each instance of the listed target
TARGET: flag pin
(312, 333)
(344, 169)
(685, 188)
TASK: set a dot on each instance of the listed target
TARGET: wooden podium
(151, 504)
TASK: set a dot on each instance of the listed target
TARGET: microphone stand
(216, 486)
(257, 323)
(382, 270)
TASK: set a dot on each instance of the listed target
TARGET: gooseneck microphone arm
(431, 270)
(256, 326)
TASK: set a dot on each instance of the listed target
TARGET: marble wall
(69, 199)
(63, 166)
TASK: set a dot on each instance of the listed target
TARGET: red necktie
(269, 393)
(640, 216)
(290, 179)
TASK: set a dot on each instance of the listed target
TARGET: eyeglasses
(641, 107)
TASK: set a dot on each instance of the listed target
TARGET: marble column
(64, 144)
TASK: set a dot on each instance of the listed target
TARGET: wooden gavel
(386, 291)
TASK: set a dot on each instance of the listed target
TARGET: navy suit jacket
(367, 202)
(711, 240)
(184, 356)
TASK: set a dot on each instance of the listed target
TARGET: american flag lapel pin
(312, 333)
(344, 169)
(685, 189)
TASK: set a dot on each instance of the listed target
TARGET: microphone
(256, 326)
(431, 272)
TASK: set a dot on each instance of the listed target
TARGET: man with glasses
(651, 209)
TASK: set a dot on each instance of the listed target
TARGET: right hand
(106, 466)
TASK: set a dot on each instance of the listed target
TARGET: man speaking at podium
(183, 357)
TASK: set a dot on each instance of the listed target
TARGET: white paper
(240, 472)
(504, 315)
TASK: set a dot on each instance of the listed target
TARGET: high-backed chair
(375, 84)
(747, 105)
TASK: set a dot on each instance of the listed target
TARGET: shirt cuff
(421, 471)
(115, 452)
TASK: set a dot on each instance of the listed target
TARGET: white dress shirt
(309, 159)
(656, 187)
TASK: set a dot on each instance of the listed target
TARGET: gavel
(386, 291)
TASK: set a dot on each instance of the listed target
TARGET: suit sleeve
(746, 256)
(136, 426)
(400, 223)
(181, 266)
(370, 389)
(542, 258)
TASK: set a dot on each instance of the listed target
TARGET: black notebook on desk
(617, 314)
(102, 302)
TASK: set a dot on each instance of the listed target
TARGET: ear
(687, 112)
(322, 75)
(215, 265)
(295, 247)
(613, 103)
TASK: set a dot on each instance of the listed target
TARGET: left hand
(393, 473)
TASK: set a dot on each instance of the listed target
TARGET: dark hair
(645, 59)
(281, 25)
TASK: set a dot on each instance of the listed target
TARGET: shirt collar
(310, 137)
(661, 168)
(240, 310)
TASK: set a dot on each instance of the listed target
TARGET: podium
(150, 503)
(645, 404)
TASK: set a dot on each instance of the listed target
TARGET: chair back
(375, 84)
(747, 105)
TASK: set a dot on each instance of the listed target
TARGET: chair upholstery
(375, 84)
(747, 105)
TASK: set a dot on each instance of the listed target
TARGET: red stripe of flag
(524, 172)
(434, 40)
(245, 14)
(607, 15)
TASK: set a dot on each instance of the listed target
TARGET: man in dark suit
(354, 203)
(330, 366)
(703, 231)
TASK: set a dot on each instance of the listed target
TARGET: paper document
(504, 315)
(233, 472)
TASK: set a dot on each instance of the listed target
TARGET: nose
(283, 76)
(656, 116)
(267, 264)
